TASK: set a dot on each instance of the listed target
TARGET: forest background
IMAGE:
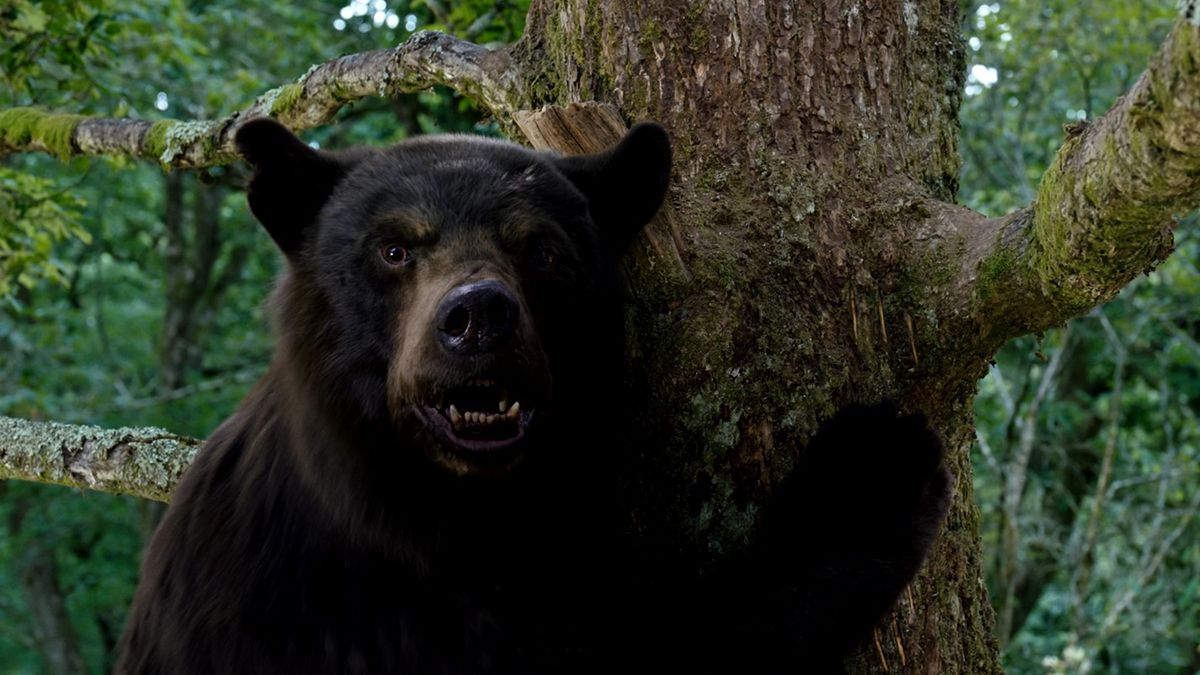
(130, 296)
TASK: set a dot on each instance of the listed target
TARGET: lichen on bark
(179, 137)
(145, 462)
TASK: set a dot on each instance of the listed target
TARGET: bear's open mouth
(482, 415)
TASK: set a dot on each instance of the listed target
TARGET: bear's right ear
(291, 182)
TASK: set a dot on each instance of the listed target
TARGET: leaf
(30, 18)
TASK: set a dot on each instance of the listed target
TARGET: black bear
(422, 482)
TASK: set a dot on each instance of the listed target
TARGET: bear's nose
(477, 318)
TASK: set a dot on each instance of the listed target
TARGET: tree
(812, 253)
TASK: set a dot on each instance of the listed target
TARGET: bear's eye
(395, 255)
(544, 257)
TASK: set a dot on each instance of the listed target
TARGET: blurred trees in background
(130, 296)
(1088, 455)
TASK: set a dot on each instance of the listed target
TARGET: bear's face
(474, 255)
(457, 287)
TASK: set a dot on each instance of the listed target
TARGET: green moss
(938, 268)
(22, 126)
(16, 125)
(167, 138)
(1051, 252)
(340, 92)
(651, 33)
(698, 31)
(996, 272)
(155, 142)
(286, 98)
(1105, 198)
(605, 75)
(1076, 267)
(56, 132)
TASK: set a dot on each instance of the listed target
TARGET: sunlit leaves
(34, 216)
(27, 19)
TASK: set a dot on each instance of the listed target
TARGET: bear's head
(457, 291)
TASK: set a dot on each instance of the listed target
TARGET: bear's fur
(350, 517)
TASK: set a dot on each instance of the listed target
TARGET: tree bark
(1105, 209)
(811, 138)
(426, 59)
(811, 254)
(144, 462)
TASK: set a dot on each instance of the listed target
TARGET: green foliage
(1088, 461)
(34, 216)
(1054, 63)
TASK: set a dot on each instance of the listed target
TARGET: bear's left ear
(625, 184)
(291, 182)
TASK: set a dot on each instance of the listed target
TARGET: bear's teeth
(471, 417)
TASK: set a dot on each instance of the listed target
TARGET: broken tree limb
(488, 76)
(143, 462)
(591, 127)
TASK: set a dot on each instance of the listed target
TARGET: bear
(423, 480)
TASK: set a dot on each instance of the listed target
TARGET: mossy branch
(144, 462)
(1105, 209)
(486, 75)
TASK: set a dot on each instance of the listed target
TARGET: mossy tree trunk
(809, 136)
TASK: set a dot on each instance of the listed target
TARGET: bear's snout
(477, 318)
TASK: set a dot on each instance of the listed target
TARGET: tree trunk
(37, 573)
(53, 632)
(194, 288)
(809, 137)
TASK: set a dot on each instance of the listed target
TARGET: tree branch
(1104, 209)
(144, 462)
(428, 58)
